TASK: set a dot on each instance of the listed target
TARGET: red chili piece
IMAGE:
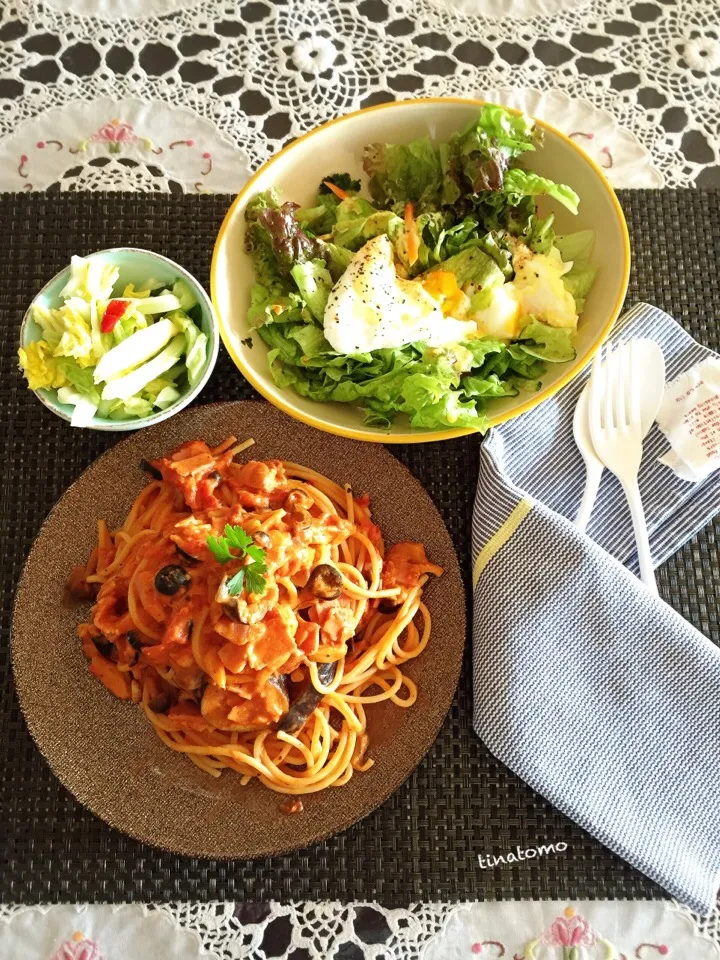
(113, 312)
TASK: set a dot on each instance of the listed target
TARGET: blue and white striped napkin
(590, 688)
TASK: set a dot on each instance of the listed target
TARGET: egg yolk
(442, 285)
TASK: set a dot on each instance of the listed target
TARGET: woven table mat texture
(424, 842)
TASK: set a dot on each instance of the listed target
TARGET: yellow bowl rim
(427, 436)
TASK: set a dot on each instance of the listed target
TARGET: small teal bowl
(135, 266)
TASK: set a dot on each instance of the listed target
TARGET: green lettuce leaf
(553, 344)
(496, 126)
(322, 216)
(436, 388)
(289, 243)
(337, 259)
(513, 362)
(355, 232)
(451, 411)
(524, 183)
(311, 340)
(473, 270)
(482, 348)
(475, 159)
(314, 283)
(404, 172)
(539, 234)
(354, 207)
(488, 387)
(578, 281)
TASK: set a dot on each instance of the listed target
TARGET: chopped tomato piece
(276, 644)
(336, 622)
(236, 633)
(179, 626)
(195, 472)
(110, 613)
(228, 710)
(405, 563)
(264, 476)
(127, 654)
(108, 674)
(233, 657)
(192, 448)
(308, 636)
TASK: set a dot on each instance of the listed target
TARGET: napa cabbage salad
(121, 356)
(442, 291)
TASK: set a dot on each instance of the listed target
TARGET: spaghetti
(268, 677)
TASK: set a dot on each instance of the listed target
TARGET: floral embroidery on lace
(78, 947)
(77, 147)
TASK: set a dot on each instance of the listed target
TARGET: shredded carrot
(338, 191)
(411, 234)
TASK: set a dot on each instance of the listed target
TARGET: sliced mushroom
(262, 539)
(171, 579)
(105, 648)
(151, 471)
(230, 608)
(136, 645)
(297, 506)
(325, 582)
(230, 602)
(298, 714)
(188, 557)
(77, 585)
(161, 702)
(297, 500)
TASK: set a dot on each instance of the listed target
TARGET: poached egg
(536, 290)
(372, 307)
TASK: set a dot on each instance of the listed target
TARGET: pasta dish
(253, 612)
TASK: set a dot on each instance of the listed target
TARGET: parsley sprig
(250, 576)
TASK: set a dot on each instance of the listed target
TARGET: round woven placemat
(104, 751)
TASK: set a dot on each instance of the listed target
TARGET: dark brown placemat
(423, 843)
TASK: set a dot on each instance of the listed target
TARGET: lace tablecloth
(599, 930)
(191, 95)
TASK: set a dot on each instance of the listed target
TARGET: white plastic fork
(648, 358)
(617, 434)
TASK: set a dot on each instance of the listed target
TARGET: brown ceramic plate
(105, 752)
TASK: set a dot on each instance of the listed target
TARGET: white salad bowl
(136, 266)
(337, 146)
